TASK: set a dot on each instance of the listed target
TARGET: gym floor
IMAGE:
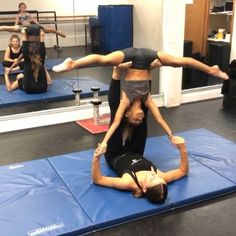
(213, 217)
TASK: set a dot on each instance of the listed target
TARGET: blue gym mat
(60, 89)
(34, 202)
(221, 160)
(118, 207)
(108, 209)
(202, 182)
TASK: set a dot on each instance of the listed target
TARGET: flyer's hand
(125, 65)
(101, 149)
(7, 71)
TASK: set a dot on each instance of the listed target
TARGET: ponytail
(36, 64)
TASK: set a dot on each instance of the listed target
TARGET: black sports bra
(141, 57)
(131, 162)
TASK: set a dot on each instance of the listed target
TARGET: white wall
(147, 23)
(89, 7)
(62, 7)
(172, 43)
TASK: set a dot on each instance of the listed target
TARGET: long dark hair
(157, 193)
(35, 58)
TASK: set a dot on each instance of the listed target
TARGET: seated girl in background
(35, 78)
(24, 18)
(12, 53)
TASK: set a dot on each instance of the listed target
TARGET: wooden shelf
(224, 13)
(218, 40)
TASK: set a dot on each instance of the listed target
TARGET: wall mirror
(72, 18)
(208, 34)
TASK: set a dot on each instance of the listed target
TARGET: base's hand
(19, 76)
(179, 142)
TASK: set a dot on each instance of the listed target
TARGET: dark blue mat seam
(229, 191)
(197, 154)
(70, 191)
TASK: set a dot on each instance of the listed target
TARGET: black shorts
(33, 29)
(9, 64)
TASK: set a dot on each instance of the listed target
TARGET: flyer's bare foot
(64, 66)
(61, 34)
(215, 71)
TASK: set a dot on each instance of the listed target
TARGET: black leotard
(33, 29)
(130, 162)
(13, 56)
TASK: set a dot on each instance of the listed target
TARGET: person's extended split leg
(54, 31)
(14, 28)
(114, 58)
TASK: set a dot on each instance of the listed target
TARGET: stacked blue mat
(60, 89)
(55, 196)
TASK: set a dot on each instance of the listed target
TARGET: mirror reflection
(208, 32)
(71, 18)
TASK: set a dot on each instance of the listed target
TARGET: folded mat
(56, 196)
(113, 207)
(35, 201)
